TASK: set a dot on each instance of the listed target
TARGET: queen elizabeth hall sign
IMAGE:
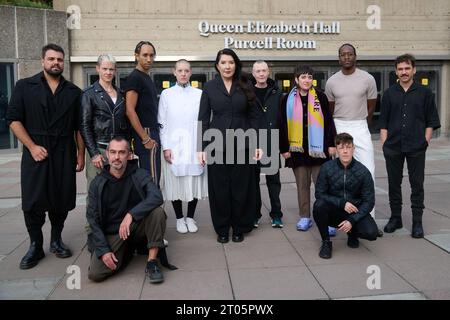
(269, 42)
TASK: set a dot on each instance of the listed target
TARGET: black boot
(417, 229)
(60, 249)
(395, 222)
(32, 257)
(57, 246)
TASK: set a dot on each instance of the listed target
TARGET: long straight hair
(241, 78)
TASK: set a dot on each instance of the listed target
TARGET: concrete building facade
(23, 32)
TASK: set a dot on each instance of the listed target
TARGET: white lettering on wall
(277, 43)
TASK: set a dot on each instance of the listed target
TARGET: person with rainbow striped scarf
(307, 135)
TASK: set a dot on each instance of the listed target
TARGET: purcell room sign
(279, 42)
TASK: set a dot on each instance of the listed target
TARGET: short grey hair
(106, 57)
(260, 62)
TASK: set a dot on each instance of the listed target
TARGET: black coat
(149, 193)
(101, 119)
(229, 110)
(49, 184)
(269, 112)
(338, 185)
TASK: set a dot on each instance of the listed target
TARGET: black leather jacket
(101, 119)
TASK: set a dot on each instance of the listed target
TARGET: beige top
(350, 94)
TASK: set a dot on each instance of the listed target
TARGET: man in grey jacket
(124, 210)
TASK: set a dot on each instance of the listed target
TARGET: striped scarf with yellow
(294, 115)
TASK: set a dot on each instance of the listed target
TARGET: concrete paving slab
(434, 223)
(10, 241)
(382, 211)
(351, 280)
(10, 190)
(190, 285)
(398, 296)
(404, 248)
(9, 180)
(443, 177)
(279, 283)
(265, 233)
(13, 172)
(443, 294)
(399, 232)
(309, 252)
(202, 214)
(125, 285)
(29, 289)
(438, 202)
(261, 255)
(423, 273)
(293, 235)
(10, 161)
(50, 266)
(441, 240)
(409, 267)
(203, 256)
(9, 202)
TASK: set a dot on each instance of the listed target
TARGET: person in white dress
(183, 177)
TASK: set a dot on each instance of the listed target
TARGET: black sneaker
(352, 241)
(154, 273)
(325, 249)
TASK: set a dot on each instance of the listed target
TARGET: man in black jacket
(345, 196)
(124, 209)
(43, 114)
(268, 99)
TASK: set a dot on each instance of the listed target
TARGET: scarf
(294, 115)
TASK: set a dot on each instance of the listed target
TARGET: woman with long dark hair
(231, 162)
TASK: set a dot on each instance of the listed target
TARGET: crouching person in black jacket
(345, 196)
(124, 209)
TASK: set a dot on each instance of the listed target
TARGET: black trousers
(325, 214)
(34, 220)
(416, 173)
(274, 187)
(232, 197)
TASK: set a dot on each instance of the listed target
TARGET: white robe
(185, 178)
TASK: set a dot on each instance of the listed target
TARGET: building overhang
(89, 59)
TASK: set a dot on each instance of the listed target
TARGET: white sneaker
(191, 225)
(181, 226)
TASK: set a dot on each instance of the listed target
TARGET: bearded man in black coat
(43, 114)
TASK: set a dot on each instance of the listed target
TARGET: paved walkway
(269, 264)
